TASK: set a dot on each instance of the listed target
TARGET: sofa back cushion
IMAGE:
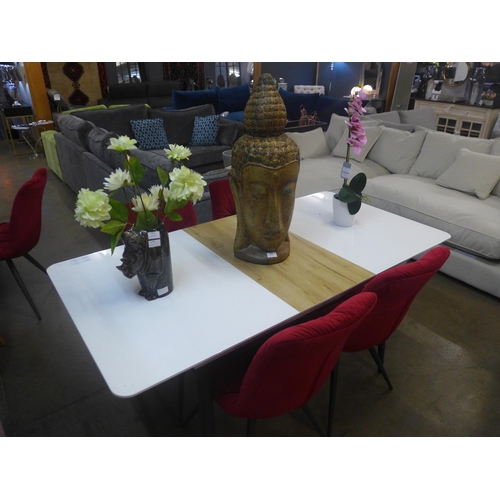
(160, 93)
(98, 142)
(75, 128)
(117, 119)
(389, 116)
(232, 98)
(372, 136)
(182, 99)
(397, 150)
(179, 123)
(293, 103)
(440, 150)
(425, 117)
(336, 128)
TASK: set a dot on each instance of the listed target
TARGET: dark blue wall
(294, 73)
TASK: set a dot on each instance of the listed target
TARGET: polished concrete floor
(444, 360)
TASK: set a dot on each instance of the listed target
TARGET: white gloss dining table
(219, 302)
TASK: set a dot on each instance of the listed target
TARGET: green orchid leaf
(162, 175)
(113, 227)
(347, 195)
(118, 210)
(358, 183)
(354, 206)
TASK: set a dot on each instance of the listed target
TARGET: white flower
(186, 185)
(146, 201)
(117, 180)
(177, 152)
(123, 143)
(156, 190)
(92, 208)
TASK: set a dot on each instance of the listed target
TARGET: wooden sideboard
(462, 119)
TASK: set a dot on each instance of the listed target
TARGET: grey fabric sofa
(83, 139)
(441, 180)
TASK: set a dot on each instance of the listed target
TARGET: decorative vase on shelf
(147, 256)
(341, 215)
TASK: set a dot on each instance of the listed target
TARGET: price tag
(154, 239)
(346, 169)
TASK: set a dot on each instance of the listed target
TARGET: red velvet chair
(292, 366)
(21, 234)
(396, 290)
(222, 199)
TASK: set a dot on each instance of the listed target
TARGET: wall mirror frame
(371, 74)
(456, 73)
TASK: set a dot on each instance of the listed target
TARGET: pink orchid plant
(350, 193)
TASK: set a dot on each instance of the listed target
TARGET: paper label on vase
(153, 235)
(162, 291)
(346, 169)
(154, 243)
(271, 255)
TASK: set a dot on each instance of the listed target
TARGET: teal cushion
(150, 134)
(205, 130)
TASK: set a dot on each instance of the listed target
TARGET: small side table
(28, 132)
(12, 115)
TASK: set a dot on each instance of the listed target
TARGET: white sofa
(442, 180)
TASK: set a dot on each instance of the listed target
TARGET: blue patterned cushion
(205, 130)
(150, 134)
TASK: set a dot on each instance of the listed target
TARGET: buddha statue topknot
(264, 170)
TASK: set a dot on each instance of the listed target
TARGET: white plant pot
(341, 215)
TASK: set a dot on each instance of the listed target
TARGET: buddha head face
(264, 199)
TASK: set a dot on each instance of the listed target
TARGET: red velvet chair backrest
(188, 218)
(26, 215)
(292, 365)
(396, 289)
(222, 199)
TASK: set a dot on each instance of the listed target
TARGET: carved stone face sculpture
(265, 199)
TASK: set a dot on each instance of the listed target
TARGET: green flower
(117, 180)
(92, 208)
(185, 184)
(178, 153)
(122, 144)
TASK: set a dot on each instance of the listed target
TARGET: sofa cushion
(495, 150)
(397, 150)
(149, 133)
(179, 123)
(326, 106)
(473, 227)
(228, 132)
(205, 130)
(311, 144)
(425, 117)
(294, 101)
(75, 128)
(372, 135)
(116, 120)
(233, 98)
(160, 93)
(182, 99)
(388, 116)
(335, 130)
(439, 152)
(472, 173)
(98, 142)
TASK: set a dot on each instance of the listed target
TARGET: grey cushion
(425, 117)
(472, 173)
(75, 129)
(388, 116)
(116, 120)
(440, 150)
(98, 141)
(397, 150)
(228, 132)
(372, 135)
(179, 123)
(473, 226)
(335, 130)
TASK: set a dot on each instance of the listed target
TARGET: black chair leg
(380, 365)
(35, 263)
(20, 282)
(381, 352)
(251, 427)
(333, 392)
(314, 420)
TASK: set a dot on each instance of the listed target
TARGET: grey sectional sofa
(85, 160)
(442, 180)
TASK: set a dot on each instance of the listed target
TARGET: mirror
(371, 74)
(456, 73)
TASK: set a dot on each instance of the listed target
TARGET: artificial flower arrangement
(144, 210)
(488, 97)
(350, 193)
